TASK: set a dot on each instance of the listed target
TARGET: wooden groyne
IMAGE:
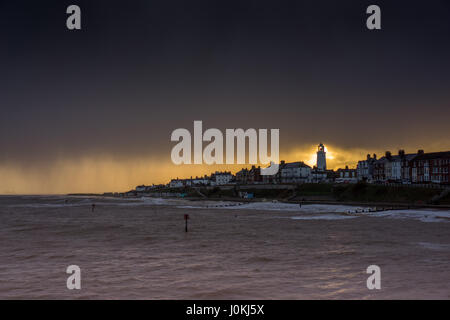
(376, 209)
(226, 205)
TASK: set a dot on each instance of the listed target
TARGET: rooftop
(433, 155)
(298, 164)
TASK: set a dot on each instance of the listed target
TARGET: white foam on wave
(149, 201)
(323, 217)
(311, 211)
(323, 211)
(274, 206)
(50, 205)
(81, 202)
(424, 215)
(434, 246)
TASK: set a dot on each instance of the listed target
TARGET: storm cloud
(114, 91)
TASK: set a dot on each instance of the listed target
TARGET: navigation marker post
(186, 218)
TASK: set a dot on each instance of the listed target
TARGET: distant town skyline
(417, 169)
(97, 175)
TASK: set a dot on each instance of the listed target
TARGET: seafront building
(295, 172)
(242, 176)
(431, 167)
(221, 178)
(249, 176)
(177, 183)
(365, 168)
(216, 179)
(346, 175)
(394, 168)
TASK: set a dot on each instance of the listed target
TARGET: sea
(139, 249)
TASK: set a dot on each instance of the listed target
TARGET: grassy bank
(379, 193)
(360, 192)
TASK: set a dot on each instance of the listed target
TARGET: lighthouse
(321, 158)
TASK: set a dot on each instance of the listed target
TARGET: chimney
(368, 156)
(401, 153)
(388, 155)
(282, 162)
(375, 156)
(420, 152)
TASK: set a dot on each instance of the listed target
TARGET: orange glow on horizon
(108, 174)
(98, 175)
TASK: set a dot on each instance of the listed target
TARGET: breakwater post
(186, 218)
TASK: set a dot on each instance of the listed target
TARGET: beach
(138, 249)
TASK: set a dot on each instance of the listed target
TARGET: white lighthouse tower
(321, 158)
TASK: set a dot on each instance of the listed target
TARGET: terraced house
(431, 167)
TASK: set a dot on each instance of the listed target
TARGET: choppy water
(137, 249)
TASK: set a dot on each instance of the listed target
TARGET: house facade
(346, 175)
(365, 168)
(176, 183)
(254, 175)
(295, 172)
(431, 168)
(221, 178)
(392, 168)
(242, 176)
(417, 167)
(276, 178)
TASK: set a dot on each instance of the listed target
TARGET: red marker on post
(186, 218)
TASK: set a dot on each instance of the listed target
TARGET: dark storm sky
(140, 69)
